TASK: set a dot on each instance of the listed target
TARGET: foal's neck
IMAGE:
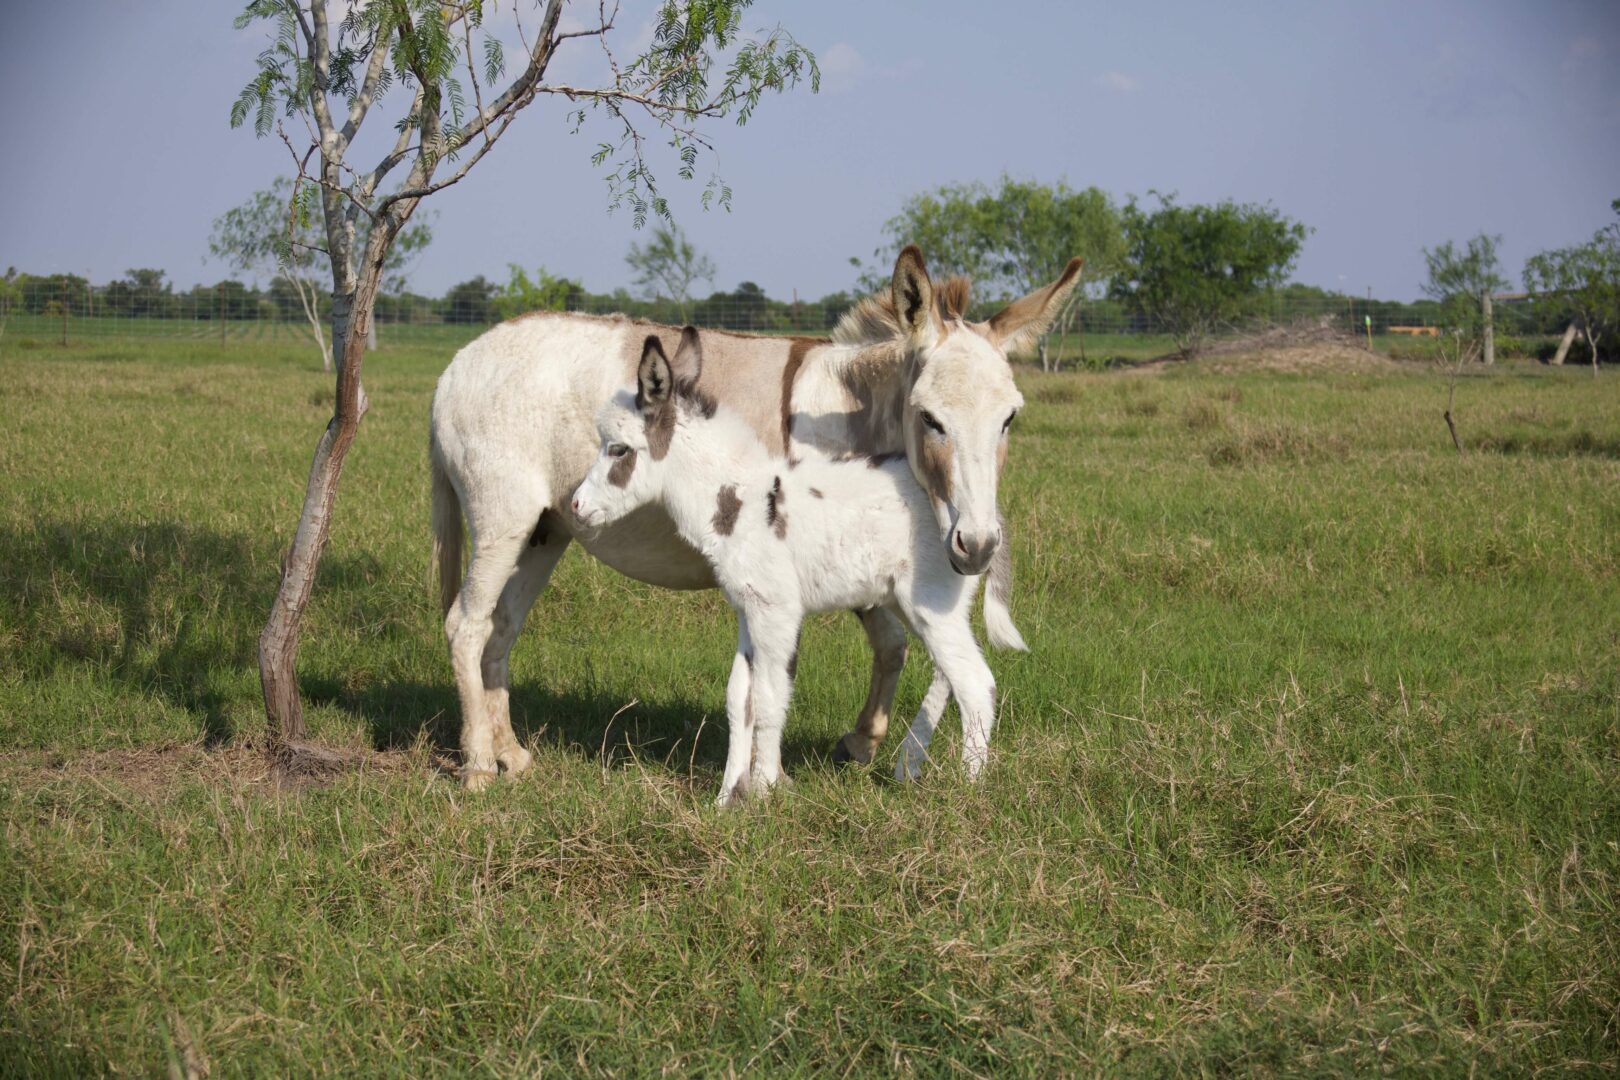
(706, 455)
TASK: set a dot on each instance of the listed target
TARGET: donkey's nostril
(960, 546)
(576, 506)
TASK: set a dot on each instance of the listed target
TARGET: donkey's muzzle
(970, 552)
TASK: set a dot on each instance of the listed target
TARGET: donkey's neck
(851, 399)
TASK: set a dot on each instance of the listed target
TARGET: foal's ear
(688, 364)
(913, 296)
(654, 380)
(1021, 322)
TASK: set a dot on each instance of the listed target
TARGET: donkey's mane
(873, 321)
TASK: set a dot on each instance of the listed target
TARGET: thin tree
(1583, 280)
(326, 76)
(10, 297)
(667, 265)
(1459, 280)
(269, 234)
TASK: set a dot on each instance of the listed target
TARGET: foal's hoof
(477, 779)
(516, 760)
(735, 795)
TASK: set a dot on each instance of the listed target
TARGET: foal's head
(631, 466)
(961, 399)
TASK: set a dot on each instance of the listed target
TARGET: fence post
(1490, 332)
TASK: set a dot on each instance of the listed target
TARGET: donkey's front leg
(888, 639)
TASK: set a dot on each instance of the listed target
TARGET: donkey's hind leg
(888, 639)
(469, 626)
(537, 560)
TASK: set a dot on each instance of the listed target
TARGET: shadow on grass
(595, 727)
(1580, 442)
(174, 610)
(161, 607)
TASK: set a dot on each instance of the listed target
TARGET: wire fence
(66, 309)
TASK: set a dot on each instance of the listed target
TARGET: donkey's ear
(913, 296)
(1022, 321)
(654, 380)
(688, 363)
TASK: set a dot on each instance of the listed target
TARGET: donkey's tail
(446, 534)
(997, 619)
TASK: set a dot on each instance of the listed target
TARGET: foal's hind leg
(888, 639)
(536, 562)
(469, 626)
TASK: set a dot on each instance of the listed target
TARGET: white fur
(850, 535)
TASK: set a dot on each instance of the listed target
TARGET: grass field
(1314, 767)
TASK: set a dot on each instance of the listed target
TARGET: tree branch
(502, 109)
(320, 56)
(367, 93)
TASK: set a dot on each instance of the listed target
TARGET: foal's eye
(933, 422)
(617, 450)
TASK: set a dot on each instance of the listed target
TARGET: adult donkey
(514, 433)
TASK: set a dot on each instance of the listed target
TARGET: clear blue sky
(1386, 127)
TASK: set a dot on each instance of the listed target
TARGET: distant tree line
(1186, 270)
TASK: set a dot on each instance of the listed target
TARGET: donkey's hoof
(845, 754)
(515, 761)
(907, 771)
(477, 779)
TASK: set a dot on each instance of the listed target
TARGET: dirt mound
(1302, 346)
(1300, 358)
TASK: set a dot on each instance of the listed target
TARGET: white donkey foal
(785, 539)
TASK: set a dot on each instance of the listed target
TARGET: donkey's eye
(617, 450)
(1010, 418)
(933, 422)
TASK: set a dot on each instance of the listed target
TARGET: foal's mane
(873, 321)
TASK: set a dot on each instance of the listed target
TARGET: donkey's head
(960, 398)
(636, 433)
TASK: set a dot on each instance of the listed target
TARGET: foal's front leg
(774, 634)
(739, 720)
(914, 750)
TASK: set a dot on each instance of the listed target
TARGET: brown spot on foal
(773, 509)
(619, 474)
(725, 512)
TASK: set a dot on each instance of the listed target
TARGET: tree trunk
(1490, 329)
(1592, 340)
(1563, 346)
(278, 644)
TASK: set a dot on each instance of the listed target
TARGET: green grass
(1314, 767)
